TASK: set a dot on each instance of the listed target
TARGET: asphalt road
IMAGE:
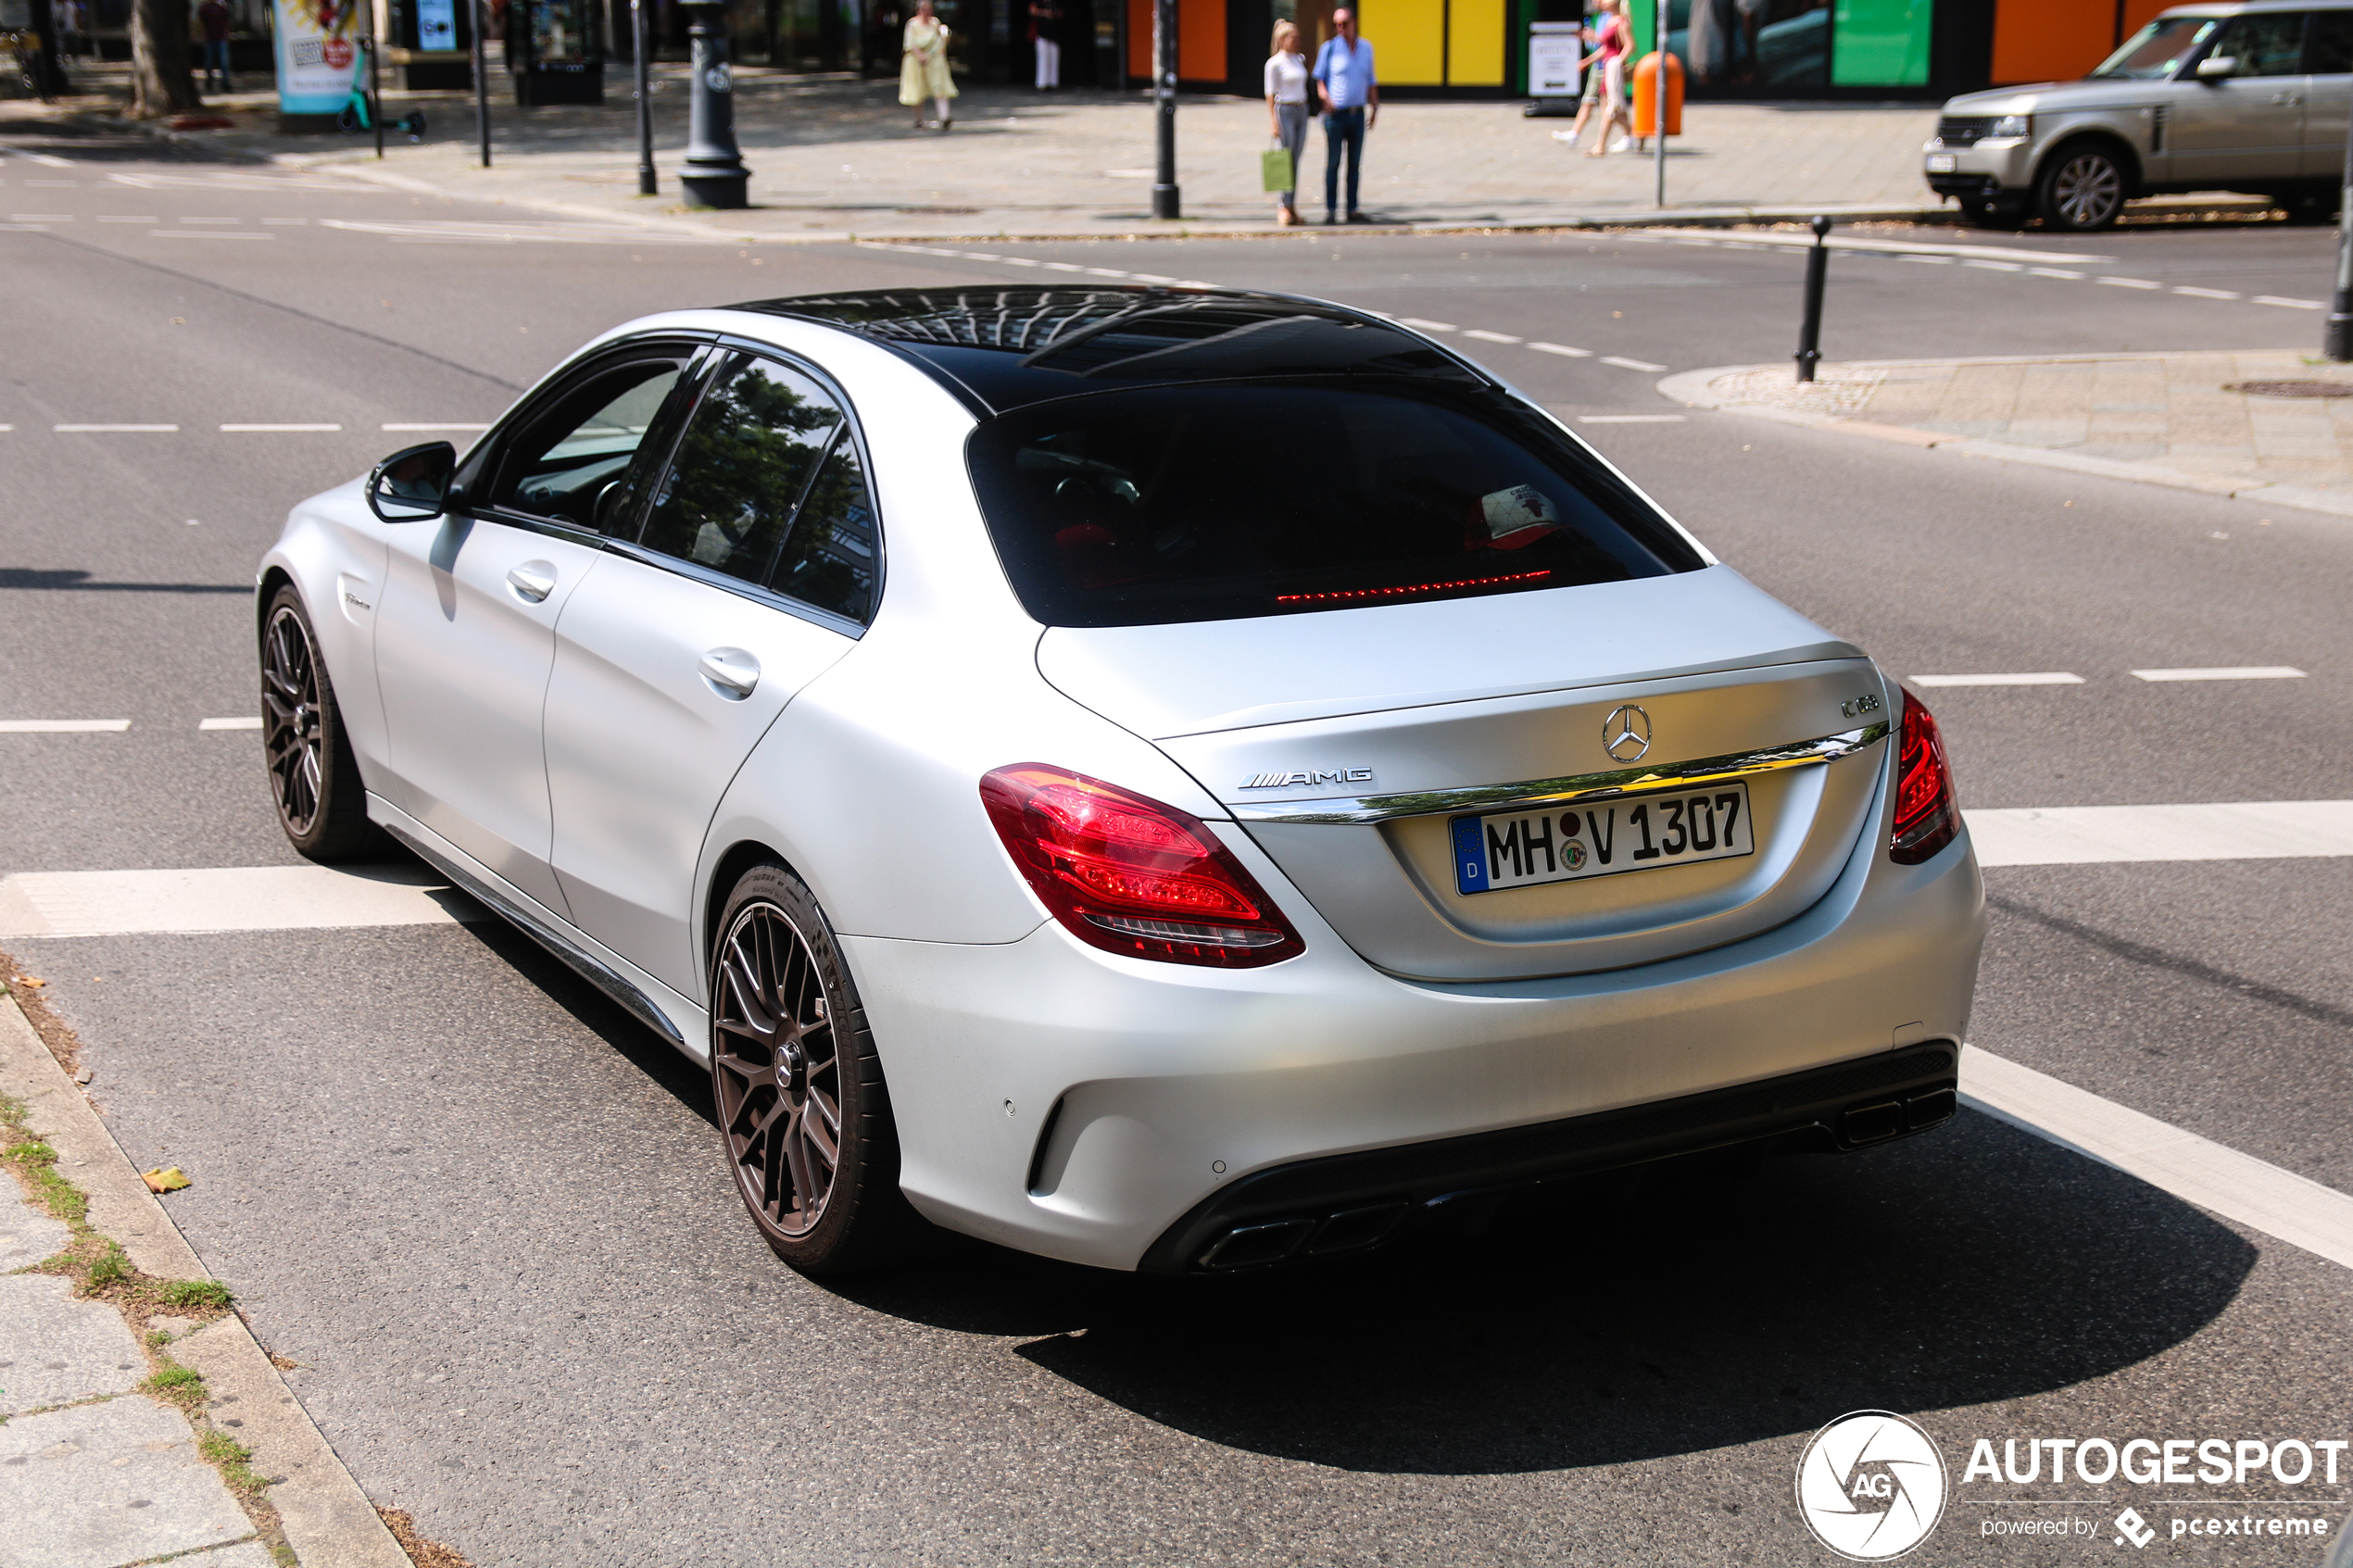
(485, 1211)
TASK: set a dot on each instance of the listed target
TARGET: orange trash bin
(1646, 94)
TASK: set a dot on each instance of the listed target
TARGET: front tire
(797, 1086)
(314, 778)
(2083, 189)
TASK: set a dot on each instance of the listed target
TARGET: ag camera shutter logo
(1871, 1486)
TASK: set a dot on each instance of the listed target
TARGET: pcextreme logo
(1871, 1486)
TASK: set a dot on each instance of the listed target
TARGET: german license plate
(1942, 163)
(1524, 848)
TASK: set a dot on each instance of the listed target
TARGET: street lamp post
(639, 51)
(481, 78)
(1165, 200)
(714, 174)
(1658, 115)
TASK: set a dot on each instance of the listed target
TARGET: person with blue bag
(1286, 117)
(1351, 103)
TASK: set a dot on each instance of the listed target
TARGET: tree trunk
(162, 83)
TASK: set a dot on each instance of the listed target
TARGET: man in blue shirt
(1351, 103)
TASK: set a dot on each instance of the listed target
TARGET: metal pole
(1809, 335)
(375, 97)
(482, 78)
(2337, 343)
(639, 52)
(1659, 120)
(1165, 197)
(714, 174)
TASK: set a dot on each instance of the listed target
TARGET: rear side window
(756, 436)
(1216, 503)
(2330, 45)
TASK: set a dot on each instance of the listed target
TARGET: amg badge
(1285, 781)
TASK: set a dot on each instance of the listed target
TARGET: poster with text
(317, 50)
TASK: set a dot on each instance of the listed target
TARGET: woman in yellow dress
(923, 70)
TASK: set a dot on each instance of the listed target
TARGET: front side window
(759, 432)
(2332, 43)
(2157, 51)
(2266, 44)
(570, 463)
(1208, 503)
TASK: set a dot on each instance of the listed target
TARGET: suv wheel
(2082, 188)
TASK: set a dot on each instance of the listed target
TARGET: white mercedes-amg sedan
(1167, 779)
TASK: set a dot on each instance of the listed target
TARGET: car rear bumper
(1069, 1102)
(1350, 1202)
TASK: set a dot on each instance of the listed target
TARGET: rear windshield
(1219, 503)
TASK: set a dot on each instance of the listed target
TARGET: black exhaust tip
(1870, 1123)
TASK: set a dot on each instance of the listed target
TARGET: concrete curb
(1693, 389)
(327, 1519)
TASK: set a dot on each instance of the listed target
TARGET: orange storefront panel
(2051, 39)
(1200, 40)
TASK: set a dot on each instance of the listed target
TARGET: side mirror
(2214, 68)
(413, 485)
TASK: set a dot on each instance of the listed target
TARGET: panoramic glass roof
(1006, 347)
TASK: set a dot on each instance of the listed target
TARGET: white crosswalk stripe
(2255, 830)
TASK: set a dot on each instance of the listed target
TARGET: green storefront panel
(1882, 43)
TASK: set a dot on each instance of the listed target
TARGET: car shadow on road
(1702, 1309)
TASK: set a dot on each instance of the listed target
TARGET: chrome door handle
(732, 671)
(533, 580)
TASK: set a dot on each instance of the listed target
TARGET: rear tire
(314, 778)
(798, 1087)
(2082, 189)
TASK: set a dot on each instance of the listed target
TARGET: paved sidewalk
(835, 155)
(97, 1468)
(2163, 418)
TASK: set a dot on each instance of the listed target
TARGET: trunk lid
(1310, 727)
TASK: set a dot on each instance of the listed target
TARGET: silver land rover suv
(2252, 96)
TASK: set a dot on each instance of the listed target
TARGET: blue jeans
(1343, 129)
(216, 61)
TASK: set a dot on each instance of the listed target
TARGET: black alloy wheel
(314, 780)
(798, 1087)
(2083, 189)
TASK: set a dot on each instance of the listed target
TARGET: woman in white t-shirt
(1287, 109)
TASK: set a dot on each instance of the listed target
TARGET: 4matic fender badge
(1321, 775)
(1871, 1486)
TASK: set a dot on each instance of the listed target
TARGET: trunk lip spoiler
(1358, 810)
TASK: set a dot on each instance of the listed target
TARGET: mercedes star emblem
(1626, 734)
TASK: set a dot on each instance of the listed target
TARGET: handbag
(1276, 171)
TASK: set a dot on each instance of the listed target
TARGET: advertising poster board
(437, 25)
(317, 50)
(1553, 51)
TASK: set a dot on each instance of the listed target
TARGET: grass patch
(234, 1462)
(195, 1295)
(37, 1162)
(182, 1386)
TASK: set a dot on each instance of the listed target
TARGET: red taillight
(1926, 814)
(1132, 876)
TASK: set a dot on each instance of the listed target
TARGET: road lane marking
(2291, 304)
(1140, 277)
(252, 722)
(116, 218)
(2033, 678)
(1625, 364)
(105, 430)
(1994, 265)
(1563, 350)
(276, 429)
(46, 161)
(1630, 419)
(2073, 835)
(212, 220)
(438, 427)
(1048, 266)
(62, 726)
(2254, 1193)
(2227, 672)
(2052, 272)
(2207, 293)
(1426, 325)
(40, 218)
(2129, 282)
(1485, 336)
(1929, 260)
(204, 234)
(238, 898)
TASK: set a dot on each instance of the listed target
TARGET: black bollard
(2337, 341)
(482, 78)
(1810, 335)
(375, 97)
(1167, 200)
(714, 174)
(640, 48)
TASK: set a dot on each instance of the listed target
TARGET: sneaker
(1620, 144)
